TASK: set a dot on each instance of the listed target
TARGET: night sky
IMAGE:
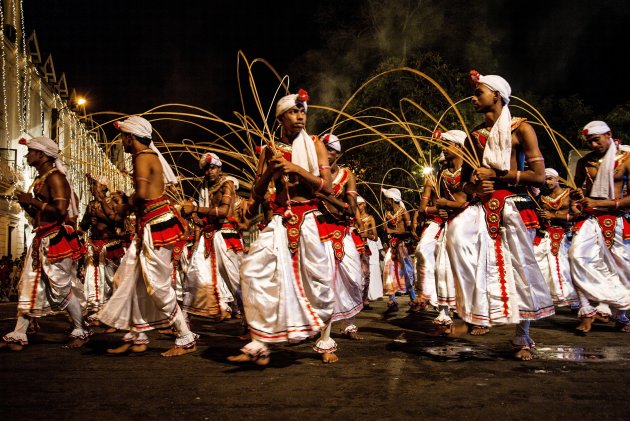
(129, 56)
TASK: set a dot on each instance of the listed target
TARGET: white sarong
(347, 280)
(446, 291)
(497, 280)
(206, 289)
(99, 275)
(601, 274)
(556, 270)
(144, 298)
(287, 297)
(375, 290)
(425, 264)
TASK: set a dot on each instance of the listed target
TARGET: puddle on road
(561, 353)
(576, 353)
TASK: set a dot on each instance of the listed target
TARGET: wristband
(321, 185)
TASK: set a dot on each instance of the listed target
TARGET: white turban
(135, 125)
(624, 148)
(48, 147)
(550, 172)
(497, 84)
(455, 136)
(595, 127)
(331, 141)
(498, 149)
(360, 199)
(140, 127)
(209, 158)
(233, 180)
(287, 102)
(393, 194)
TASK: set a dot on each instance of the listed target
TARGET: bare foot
(585, 325)
(353, 335)
(76, 343)
(169, 331)
(329, 358)
(176, 351)
(603, 318)
(138, 348)
(524, 355)
(94, 322)
(245, 358)
(121, 349)
(479, 330)
(13, 346)
(110, 330)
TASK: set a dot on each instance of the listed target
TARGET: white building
(35, 102)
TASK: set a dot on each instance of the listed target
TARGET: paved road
(398, 372)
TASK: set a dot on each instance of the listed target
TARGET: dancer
(50, 266)
(600, 255)
(551, 246)
(144, 298)
(344, 245)
(375, 283)
(495, 271)
(212, 279)
(398, 273)
(286, 277)
(104, 245)
(451, 201)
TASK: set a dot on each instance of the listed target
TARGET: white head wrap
(393, 194)
(140, 127)
(332, 142)
(441, 158)
(287, 102)
(550, 172)
(303, 151)
(498, 149)
(624, 148)
(233, 180)
(209, 158)
(604, 183)
(497, 84)
(595, 127)
(135, 125)
(360, 199)
(48, 147)
(455, 136)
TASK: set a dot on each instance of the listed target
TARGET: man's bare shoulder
(56, 179)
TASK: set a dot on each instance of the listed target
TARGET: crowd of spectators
(10, 270)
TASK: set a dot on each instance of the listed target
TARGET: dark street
(399, 371)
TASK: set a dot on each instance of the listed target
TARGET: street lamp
(81, 103)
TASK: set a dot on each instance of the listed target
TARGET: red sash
(167, 226)
(64, 243)
(293, 220)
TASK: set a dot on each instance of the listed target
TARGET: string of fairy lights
(79, 148)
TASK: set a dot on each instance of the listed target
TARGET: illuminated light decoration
(427, 170)
(437, 134)
(5, 98)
